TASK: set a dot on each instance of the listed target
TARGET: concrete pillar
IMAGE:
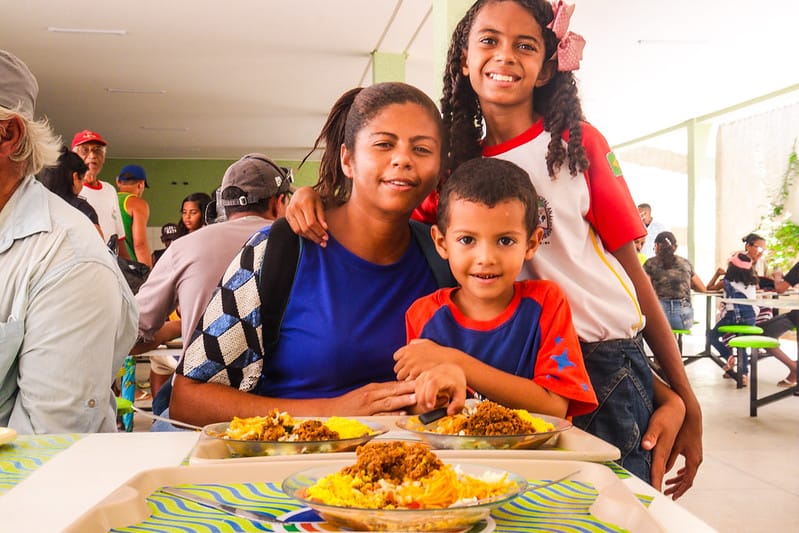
(446, 15)
(702, 219)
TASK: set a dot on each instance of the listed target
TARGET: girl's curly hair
(557, 101)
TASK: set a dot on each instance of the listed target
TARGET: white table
(76, 479)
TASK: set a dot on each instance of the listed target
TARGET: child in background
(509, 73)
(192, 213)
(739, 281)
(514, 340)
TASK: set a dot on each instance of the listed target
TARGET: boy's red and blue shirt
(533, 338)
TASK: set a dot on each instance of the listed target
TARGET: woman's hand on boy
(306, 215)
(420, 355)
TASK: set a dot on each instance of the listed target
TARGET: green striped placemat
(560, 507)
(18, 459)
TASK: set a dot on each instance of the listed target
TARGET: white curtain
(751, 159)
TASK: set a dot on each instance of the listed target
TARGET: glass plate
(257, 448)
(7, 435)
(359, 519)
(527, 441)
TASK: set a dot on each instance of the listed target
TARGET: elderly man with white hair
(60, 345)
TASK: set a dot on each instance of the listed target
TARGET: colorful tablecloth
(18, 459)
(560, 507)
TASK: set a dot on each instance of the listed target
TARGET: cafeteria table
(48, 481)
(789, 303)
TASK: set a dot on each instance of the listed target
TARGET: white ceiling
(259, 75)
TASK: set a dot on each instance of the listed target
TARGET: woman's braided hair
(557, 101)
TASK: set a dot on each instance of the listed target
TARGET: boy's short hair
(489, 181)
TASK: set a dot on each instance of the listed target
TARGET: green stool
(739, 329)
(753, 341)
(679, 333)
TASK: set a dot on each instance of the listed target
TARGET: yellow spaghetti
(280, 426)
(437, 486)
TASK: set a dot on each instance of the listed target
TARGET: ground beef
(493, 419)
(394, 461)
(314, 430)
(272, 431)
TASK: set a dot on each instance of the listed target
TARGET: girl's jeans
(622, 381)
(679, 313)
(714, 336)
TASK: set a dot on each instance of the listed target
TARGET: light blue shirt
(652, 231)
(67, 317)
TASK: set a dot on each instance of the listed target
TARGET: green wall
(171, 180)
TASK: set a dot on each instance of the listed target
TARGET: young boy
(513, 341)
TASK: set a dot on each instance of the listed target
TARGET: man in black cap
(254, 192)
(58, 379)
(169, 232)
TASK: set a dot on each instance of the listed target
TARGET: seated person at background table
(345, 313)
(673, 277)
(66, 180)
(61, 344)
(739, 282)
(169, 232)
(254, 191)
(777, 326)
(754, 247)
(639, 246)
(192, 213)
(513, 340)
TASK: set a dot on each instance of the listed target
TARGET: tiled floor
(749, 480)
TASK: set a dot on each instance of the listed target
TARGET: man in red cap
(102, 196)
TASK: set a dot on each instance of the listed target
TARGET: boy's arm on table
(660, 339)
(512, 391)
(201, 403)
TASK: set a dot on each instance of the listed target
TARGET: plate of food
(7, 435)
(487, 425)
(279, 433)
(403, 486)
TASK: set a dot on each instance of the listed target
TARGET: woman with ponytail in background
(673, 277)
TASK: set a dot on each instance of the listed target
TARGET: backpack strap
(439, 266)
(278, 269)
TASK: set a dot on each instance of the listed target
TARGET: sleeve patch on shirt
(614, 164)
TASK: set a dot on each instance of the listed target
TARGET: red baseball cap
(87, 136)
